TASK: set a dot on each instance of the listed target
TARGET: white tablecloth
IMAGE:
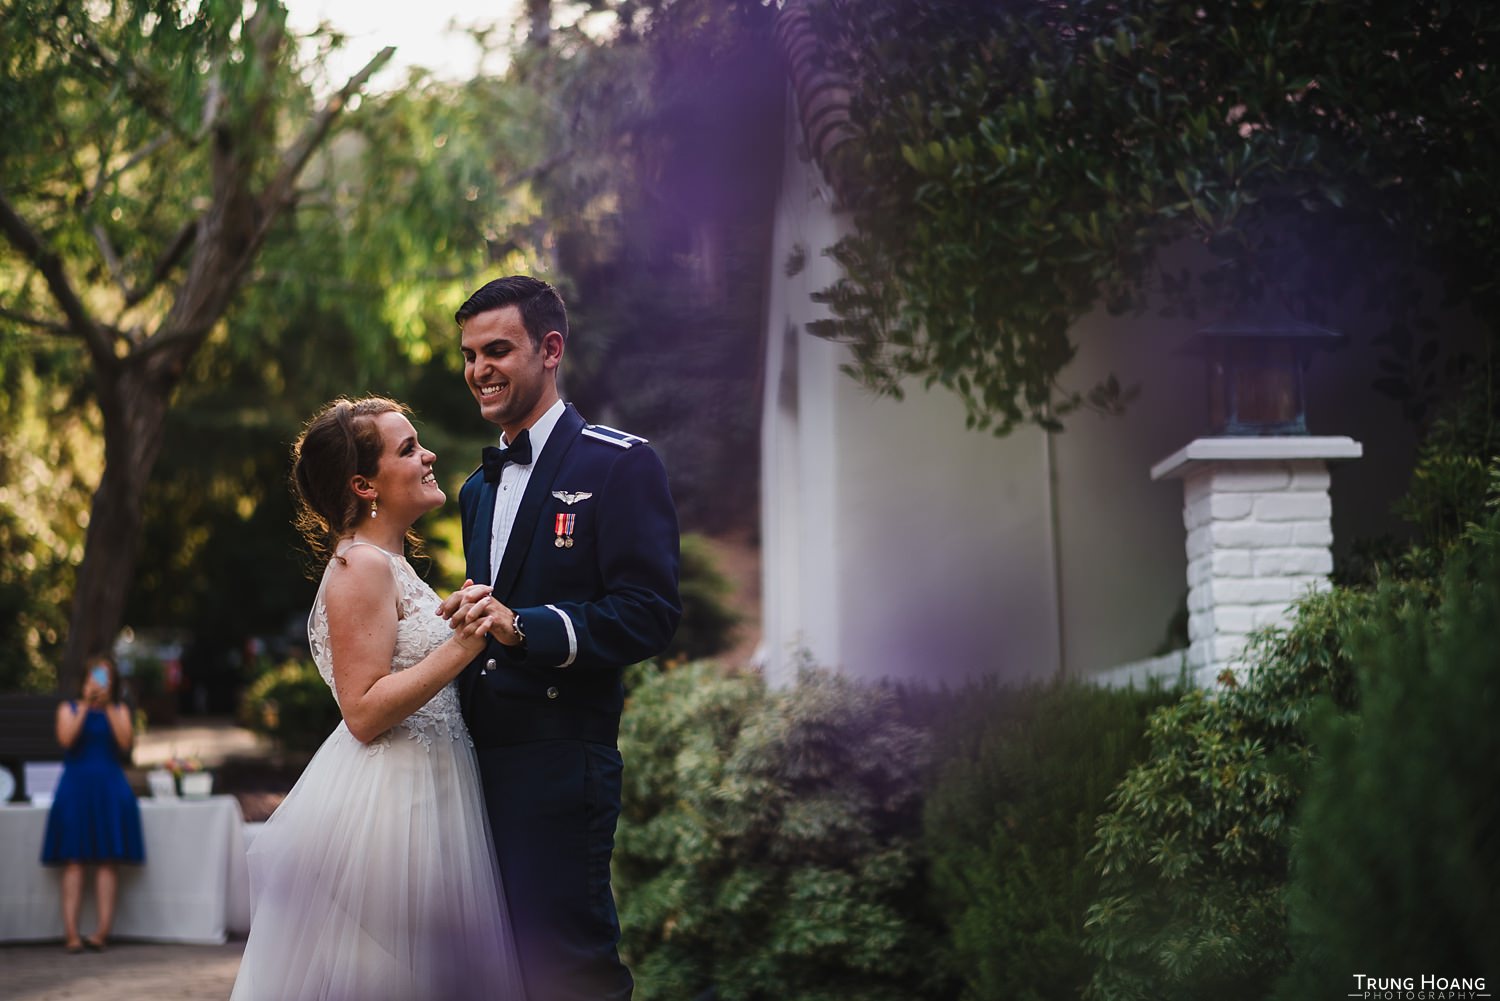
(193, 888)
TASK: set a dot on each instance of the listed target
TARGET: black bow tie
(495, 459)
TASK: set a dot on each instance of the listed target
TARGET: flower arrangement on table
(183, 766)
(191, 777)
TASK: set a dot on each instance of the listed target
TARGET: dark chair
(28, 732)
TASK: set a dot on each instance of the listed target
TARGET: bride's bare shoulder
(358, 573)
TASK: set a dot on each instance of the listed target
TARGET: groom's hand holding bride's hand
(473, 603)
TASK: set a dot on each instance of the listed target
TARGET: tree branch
(136, 158)
(26, 240)
(159, 342)
(51, 326)
(164, 264)
(301, 150)
(111, 259)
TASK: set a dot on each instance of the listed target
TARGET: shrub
(292, 705)
(769, 843)
(1193, 854)
(1397, 856)
(707, 618)
(1026, 774)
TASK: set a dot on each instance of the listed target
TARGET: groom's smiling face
(512, 379)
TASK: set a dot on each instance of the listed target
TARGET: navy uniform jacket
(588, 610)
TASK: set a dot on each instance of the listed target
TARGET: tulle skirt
(375, 880)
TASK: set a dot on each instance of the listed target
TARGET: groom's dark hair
(541, 307)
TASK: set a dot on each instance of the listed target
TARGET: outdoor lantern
(1255, 375)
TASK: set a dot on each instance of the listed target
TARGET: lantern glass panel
(1265, 383)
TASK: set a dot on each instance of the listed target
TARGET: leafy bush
(1449, 487)
(292, 705)
(707, 619)
(769, 844)
(1026, 774)
(1193, 854)
(1397, 859)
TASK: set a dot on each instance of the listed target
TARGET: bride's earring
(373, 507)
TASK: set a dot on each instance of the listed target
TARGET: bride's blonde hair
(341, 441)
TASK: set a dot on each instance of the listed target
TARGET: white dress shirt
(512, 487)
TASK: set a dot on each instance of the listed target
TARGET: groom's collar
(542, 429)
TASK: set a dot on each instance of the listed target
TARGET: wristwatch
(515, 625)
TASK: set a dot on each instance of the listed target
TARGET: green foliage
(1018, 164)
(292, 705)
(1193, 853)
(663, 166)
(1396, 860)
(1025, 775)
(46, 454)
(1450, 484)
(708, 620)
(109, 113)
(769, 844)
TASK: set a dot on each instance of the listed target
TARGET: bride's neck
(391, 538)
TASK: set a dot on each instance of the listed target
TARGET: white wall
(1121, 537)
(895, 542)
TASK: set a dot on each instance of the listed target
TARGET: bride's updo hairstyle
(340, 442)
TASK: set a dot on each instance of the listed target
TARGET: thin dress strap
(378, 549)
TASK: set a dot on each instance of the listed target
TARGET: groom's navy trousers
(545, 717)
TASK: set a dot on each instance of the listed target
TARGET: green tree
(177, 201)
(1396, 862)
(151, 150)
(422, 196)
(1019, 164)
(664, 153)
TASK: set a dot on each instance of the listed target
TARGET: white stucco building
(898, 544)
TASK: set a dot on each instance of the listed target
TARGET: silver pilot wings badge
(570, 498)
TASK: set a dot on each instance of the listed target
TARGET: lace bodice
(419, 631)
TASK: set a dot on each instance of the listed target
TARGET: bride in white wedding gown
(375, 879)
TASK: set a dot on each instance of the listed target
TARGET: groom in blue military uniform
(574, 526)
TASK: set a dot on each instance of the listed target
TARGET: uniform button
(489, 665)
(552, 691)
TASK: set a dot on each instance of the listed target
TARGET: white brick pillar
(1259, 532)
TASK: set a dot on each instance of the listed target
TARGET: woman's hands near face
(95, 694)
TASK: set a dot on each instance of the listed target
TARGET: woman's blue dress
(95, 817)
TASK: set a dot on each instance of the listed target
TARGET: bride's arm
(361, 599)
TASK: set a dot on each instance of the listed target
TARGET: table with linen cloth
(193, 888)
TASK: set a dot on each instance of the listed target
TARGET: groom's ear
(552, 349)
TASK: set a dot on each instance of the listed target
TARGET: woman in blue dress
(95, 819)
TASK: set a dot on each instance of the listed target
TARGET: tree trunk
(134, 399)
(539, 14)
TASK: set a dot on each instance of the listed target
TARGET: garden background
(207, 236)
